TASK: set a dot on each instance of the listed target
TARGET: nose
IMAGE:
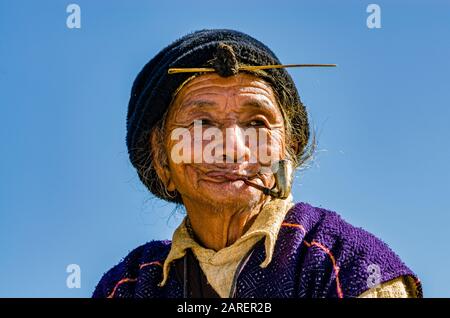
(236, 149)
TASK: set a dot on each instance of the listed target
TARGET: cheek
(279, 141)
(184, 178)
(187, 145)
(271, 148)
(180, 158)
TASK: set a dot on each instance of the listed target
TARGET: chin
(236, 197)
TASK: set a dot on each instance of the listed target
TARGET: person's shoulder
(151, 253)
(361, 259)
(330, 227)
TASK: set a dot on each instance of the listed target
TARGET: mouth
(234, 175)
(226, 176)
(221, 176)
(281, 188)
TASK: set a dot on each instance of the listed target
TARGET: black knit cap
(153, 88)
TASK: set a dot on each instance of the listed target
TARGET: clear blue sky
(68, 193)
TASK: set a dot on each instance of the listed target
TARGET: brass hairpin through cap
(175, 70)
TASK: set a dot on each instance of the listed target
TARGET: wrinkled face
(219, 119)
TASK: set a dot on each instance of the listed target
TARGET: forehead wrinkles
(243, 85)
(220, 88)
(240, 78)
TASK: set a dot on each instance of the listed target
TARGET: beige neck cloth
(220, 267)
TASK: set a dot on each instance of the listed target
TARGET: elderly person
(242, 235)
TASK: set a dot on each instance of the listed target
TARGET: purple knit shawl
(317, 254)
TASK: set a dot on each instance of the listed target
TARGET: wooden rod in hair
(175, 70)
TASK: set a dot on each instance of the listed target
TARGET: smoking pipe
(283, 181)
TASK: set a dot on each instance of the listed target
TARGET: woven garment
(317, 254)
(220, 267)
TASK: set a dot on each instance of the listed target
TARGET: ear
(162, 170)
(296, 147)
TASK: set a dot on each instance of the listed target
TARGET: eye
(204, 122)
(257, 123)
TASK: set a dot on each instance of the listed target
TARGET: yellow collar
(220, 267)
